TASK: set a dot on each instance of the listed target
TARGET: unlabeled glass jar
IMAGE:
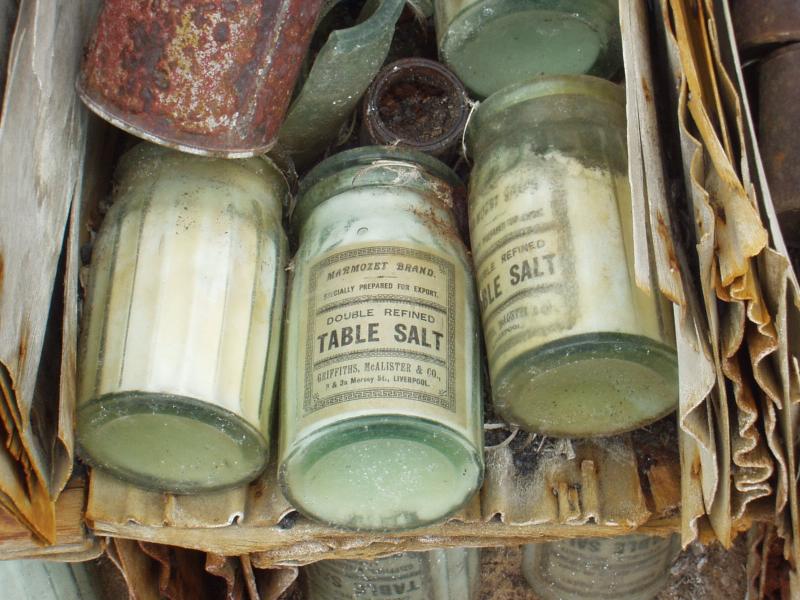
(494, 43)
(381, 422)
(181, 334)
(628, 567)
(575, 348)
(450, 574)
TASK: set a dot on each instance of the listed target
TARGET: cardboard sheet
(157, 572)
(737, 440)
(534, 488)
(42, 148)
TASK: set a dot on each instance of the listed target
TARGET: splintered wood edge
(318, 542)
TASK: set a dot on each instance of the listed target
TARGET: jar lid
(549, 86)
(373, 166)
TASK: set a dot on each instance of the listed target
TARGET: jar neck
(581, 116)
(376, 167)
(379, 214)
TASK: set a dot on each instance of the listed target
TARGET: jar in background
(447, 574)
(494, 43)
(628, 567)
(416, 103)
(183, 316)
(381, 416)
(575, 348)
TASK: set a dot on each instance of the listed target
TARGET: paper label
(384, 333)
(552, 243)
(399, 577)
(524, 261)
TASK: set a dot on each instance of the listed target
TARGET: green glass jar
(494, 43)
(341, 73)
(628, 567)
(181, 332)
(381, 417)
(575, 348)
(448, 574)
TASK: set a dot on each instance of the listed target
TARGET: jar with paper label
(447, 574)
(628, 567)
(381, 417)
(181, 332)
(575, 347)
(494, 43)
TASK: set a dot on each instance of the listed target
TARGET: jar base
(516, 43)
(589, 385)
(169, 443)
(381, 473)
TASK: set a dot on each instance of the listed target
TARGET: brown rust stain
(22, 349)
(696, 467)
(648, 95)
(664, 234)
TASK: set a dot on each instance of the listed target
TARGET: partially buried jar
(575, 348)
(627, 567)
(180, 341)
(381, 422)
(442, 574)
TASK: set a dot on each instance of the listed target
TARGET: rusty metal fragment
(759, 23)
(779, 122)
(212, 77)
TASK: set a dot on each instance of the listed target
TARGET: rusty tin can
(763, 23)
(212, 78)
(779, 121)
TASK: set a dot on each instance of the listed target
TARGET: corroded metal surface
(759, 23)
(779, 122)
(209, 77)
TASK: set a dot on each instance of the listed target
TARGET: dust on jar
(381, 416)
(574, 347)
(181, 330)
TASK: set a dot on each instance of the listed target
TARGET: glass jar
(628, 567)
(381, 416)
(182, 327)
(494, 43)
(451, 574)
(575, 348)
(387, 120)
